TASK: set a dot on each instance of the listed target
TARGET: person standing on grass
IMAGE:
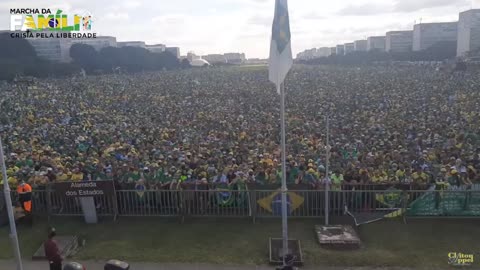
(52, 252)
(24, 191)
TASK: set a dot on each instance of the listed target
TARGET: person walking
(52, 252)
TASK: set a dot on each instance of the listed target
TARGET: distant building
(309, 54)
(468, 38)
(199, 62)
(301, 56)
(53, 49)
(399, 41)
(97, 43)
(173, 50)
(192, 56)
(235, 58)
(215, 58)
(256, 61)
(140, 44)
(324, 52)
(360, 45)
(58, 49)
(157, 48)
(426, 35)
(376, 43)
(314, 53)
(333, 50)
(348, 48)
(340, 49)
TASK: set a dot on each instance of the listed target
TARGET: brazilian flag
(224, 195)
(234, 195)
(140, 189)
(273, 202)
(281, 59)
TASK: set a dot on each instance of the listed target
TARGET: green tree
(85, 56)
(185, 64)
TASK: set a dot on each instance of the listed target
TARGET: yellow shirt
(77, 177)
(12, 181)
(376, 178)
(379, 177)
(269, 162)
(62, 177)
(38, 180)
(420, 177)
(400, 175)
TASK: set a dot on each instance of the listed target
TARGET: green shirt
(293, 175)
(160, 176)
(279, 177)
(337, 181)
(82, 147)
(27, 162)
(260, 179)
(133, 177)
(99, 177)
(167, 179)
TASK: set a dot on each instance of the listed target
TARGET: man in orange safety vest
(24, 192)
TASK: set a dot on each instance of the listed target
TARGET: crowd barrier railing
(303, 202)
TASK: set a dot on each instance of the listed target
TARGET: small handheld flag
(280, 47)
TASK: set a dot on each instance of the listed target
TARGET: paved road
(29, 265)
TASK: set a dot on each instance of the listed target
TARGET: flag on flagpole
(280, 47)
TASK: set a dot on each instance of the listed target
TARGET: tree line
(18, 58)
(126, 59)
(438, 52)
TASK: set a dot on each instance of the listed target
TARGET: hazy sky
(218, 26)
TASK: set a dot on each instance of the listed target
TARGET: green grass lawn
(419, 244)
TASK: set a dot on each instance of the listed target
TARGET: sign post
(85, 192)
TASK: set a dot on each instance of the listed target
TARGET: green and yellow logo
(460, 259)
(46, 20)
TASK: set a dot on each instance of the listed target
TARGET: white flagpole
(284, 175)
(327, 177)
(8, 201)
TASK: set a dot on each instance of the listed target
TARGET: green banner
(453, 201)
(234, 195)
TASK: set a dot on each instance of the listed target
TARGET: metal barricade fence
(357, 201)
(184, 203)
(47, 202)
(39, 201)
(70, 206)
(218, 203)
(64, 206)
(148, 203)
(215, 203)
(311, 203)
(262, 203)
(300, 203)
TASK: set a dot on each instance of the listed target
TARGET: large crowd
(222, 126)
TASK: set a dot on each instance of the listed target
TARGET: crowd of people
(222, 126)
